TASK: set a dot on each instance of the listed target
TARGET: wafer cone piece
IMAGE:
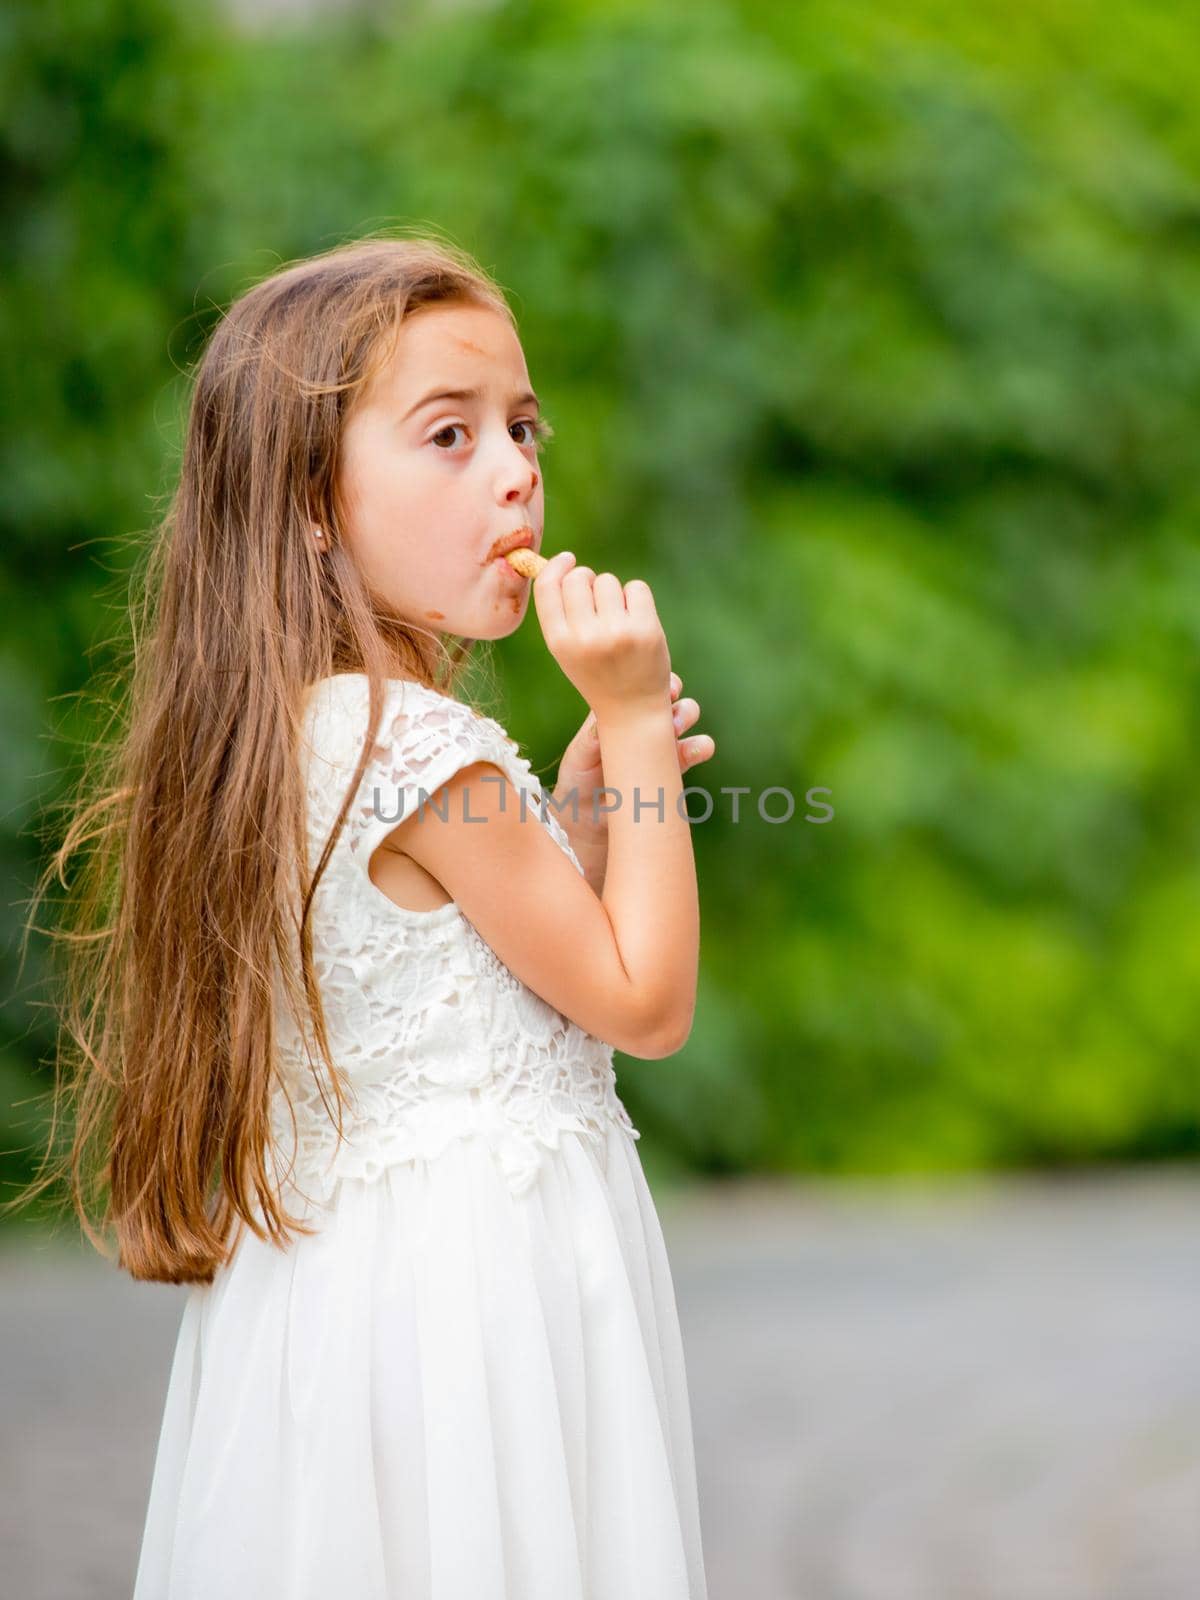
(527, 562)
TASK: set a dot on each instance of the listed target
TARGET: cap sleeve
(423, 739)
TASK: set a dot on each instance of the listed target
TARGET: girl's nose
(533, 483)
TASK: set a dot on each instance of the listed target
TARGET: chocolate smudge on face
(436, 616)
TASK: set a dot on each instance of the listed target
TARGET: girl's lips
(513, 541)
(509, 570)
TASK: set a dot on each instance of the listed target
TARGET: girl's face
(430, 484)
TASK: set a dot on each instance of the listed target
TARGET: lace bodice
(437, 1037)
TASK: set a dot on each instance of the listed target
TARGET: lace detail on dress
(435, 1037)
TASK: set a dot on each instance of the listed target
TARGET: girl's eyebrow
(526, 399)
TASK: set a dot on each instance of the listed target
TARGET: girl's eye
(451, 427)
(539, 429)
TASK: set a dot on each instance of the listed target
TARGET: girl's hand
(605, 635)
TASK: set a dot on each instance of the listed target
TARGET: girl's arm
(650, 891)
(623, 966)
(577, 801)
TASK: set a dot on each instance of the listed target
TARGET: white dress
(470, 1383)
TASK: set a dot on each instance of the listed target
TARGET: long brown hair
(193, 815)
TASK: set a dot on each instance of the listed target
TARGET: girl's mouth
(512, 541)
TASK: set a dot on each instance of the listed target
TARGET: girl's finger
(547, 595)
(609, 595)
(676, 684)
(684, 712)
(579, 604)
(639, 600)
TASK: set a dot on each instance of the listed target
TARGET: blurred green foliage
(871, 336)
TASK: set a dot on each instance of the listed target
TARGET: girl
(344, 1029)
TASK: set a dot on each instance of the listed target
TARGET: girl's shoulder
(423, 738)
(416, 722)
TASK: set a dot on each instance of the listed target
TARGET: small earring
(316, 532)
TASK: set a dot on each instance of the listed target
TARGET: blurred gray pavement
(967, 1389)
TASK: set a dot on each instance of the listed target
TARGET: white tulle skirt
(450, 1393)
